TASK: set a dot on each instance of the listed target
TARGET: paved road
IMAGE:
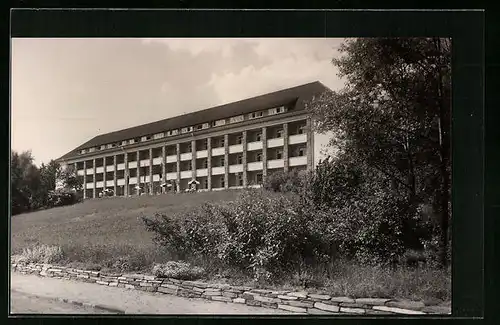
(22, 303)
(129, 301)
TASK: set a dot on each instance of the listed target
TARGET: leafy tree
(392, 122)
(25, 181)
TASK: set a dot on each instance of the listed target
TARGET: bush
(178, 270)
(258, 232)
(62, 197)
(41, 254)
(293, 181)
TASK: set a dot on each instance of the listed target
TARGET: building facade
(235, 145)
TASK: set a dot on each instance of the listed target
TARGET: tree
(25, 181)
(392, 121)
(70, 179)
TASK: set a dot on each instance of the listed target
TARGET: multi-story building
(229, 146)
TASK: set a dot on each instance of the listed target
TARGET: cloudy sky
(66, 91)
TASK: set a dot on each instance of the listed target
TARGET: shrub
(178, 270)
(259, 232)
(293, 181)
(62, 197)
(41, 254)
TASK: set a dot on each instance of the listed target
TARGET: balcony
(99, 184)
(156, 178)
(276, 142)
(202, 154)
(276, 163)
(187, 174)
(99, 170)
(236, 168)
(298, 161)
(171, 176)
(218, 170)
(144, 162)
(80, 172)
(202, 172)
(89, 186)
(171, 158)
(110, 183)
(120, 166)
(110, 168)
(256, 145)
(256, 165)
(186, 156)
(297, 138)
(90, 171)
(120, 182)
(218, 151)
(157, 161)
(132, 164)
(236, 148)
(132, 180)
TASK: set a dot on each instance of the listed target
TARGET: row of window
(187, 129)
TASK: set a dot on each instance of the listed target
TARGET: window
(258, 137)
(259, 178)
(258, 156)
(131, 141)
(199, 127)
(272, 111)
(158, 135)
(102, 147)
(280, 109)
(124, 143)
(239, 159)
(236, 119)
(239, 139)
(256, 115)
(240, 179)
(144, 138)
(219, 122)
(279, 154)
(83, 151)
(187, 129)
(205, 183)
(279, 133)
(222, 182)
(205, 163)
(222, 142)
(189, 166)
(301, 129)
(205, 126)
(302, 152)
(222, 161)
(188, 148)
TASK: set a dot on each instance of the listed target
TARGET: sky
(66, 91)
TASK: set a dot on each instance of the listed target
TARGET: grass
(107, 234)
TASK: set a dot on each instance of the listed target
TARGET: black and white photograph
(231, 176)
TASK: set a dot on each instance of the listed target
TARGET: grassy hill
(104, 231)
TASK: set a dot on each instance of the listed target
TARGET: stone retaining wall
(298, 302)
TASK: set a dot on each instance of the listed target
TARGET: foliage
(391, 126)
(178, 270)
(285, 182)
(260, 232)
(41, 254)
(33, 188)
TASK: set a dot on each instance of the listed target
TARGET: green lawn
(107, 229)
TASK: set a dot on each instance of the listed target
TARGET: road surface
(22, 303)
(24, 287)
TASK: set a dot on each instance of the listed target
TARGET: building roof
(295, 95)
